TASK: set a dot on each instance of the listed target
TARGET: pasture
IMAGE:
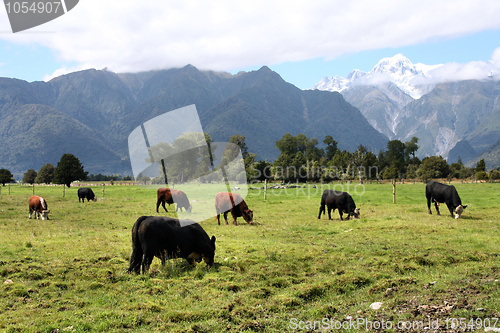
(288, 271)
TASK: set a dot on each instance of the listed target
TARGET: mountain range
(90, 114)
(454, 119)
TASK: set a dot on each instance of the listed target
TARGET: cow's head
(45, 214)
(189, 208)
(459, 210)
(95, 198)
(247, 215)
(209, 257)
(355, 213)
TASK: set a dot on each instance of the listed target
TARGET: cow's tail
(136, 257)
(321, 208)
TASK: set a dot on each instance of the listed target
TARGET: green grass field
(289, 271)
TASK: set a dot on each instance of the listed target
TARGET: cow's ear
(465, 206)
(212, 240)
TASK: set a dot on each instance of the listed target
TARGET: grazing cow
(338, 200)
(168, 238)
(168, 195)
(39, 206)
(86, 193)
(437, 192)
(232, 202)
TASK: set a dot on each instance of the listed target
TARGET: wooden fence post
(103, 185)
(393, 191)
(33, 188)
(265, 189)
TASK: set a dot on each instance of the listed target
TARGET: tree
(281, 167)
(29, 177)
(262, 170)
(240, 141)
(494, 174)
(69, 169)
(481, 175)
(6, 176)
(297, 153)
(45, 174)
(411, 147)
(331, 147)
(396, 155)
(248, 158)
(390, 172)
(290, 145)
(480, 166)
(433, 167)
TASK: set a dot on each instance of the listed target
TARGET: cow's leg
(225, 217)
(429, 205)
(450, 207)
(163, 258)
(146, 261)
(340, 213)
(135, 261)
(329, 213)
(218, 219)
(234, 218)
(436, 204)
(29, 216)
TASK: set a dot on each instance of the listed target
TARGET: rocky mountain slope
(402, 100)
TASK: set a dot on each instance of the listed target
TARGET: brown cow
(167, 195)
(39, 206)
(232, 202)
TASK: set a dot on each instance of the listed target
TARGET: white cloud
(475, 70)
(126, 35)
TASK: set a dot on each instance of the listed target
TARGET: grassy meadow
(289, 271)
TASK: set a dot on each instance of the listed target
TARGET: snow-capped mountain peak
(355, 75)
(398, 65)
(397, 69)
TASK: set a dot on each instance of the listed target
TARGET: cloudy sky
(301, 40)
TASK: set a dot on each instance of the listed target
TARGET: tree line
(300, 160)
(68, 169)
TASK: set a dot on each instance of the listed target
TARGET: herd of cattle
(168, 238)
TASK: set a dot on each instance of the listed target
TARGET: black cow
(437, 192)
(168, 238)
(338, 200)
(86, 193)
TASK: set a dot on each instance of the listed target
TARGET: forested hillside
(91, 113)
